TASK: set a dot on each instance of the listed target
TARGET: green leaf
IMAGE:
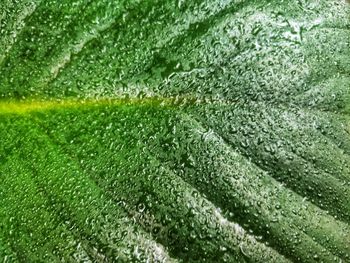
(174, 131)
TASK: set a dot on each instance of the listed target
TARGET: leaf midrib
(22, 107)
(29, 106)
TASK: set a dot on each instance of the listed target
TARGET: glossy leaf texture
(174, 131)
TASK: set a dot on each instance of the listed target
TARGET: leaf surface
(174, 131)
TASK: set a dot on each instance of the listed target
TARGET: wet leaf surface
(174, 131)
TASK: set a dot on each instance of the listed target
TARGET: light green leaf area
(174, 131)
